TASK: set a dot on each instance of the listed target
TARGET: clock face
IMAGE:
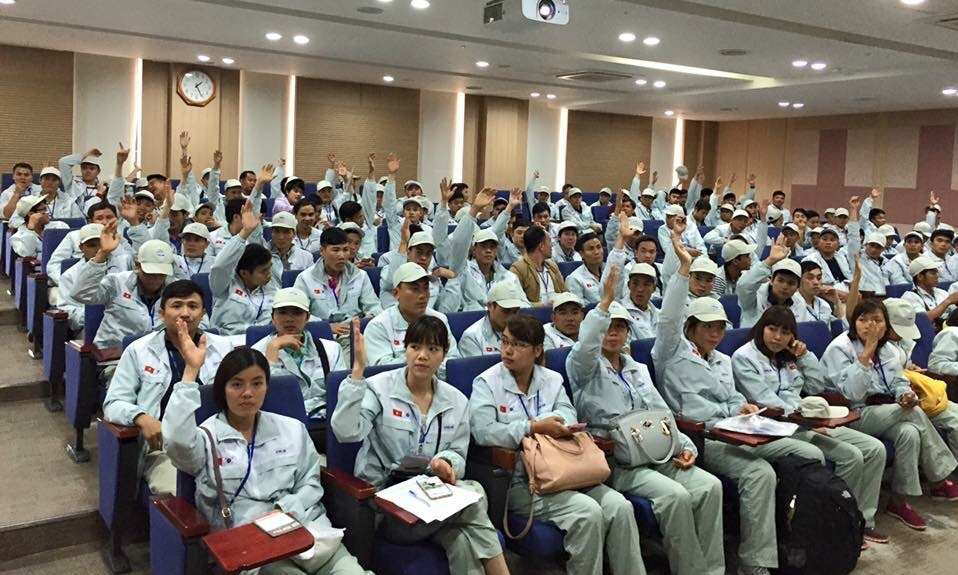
(196, 88)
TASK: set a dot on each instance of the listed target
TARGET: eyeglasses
(514, 344)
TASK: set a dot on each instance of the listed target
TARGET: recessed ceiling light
(203, 58)
(912, 2)
(641, 82)
(669, 113)
(8, 2)
(819, 66)
(385, 1)
(482, 64)
(651, 41)
(300, 39)
(659, 83)
(627, 37)
(388, 78)
(949, 91)
(784, 104)
(534, 95)
(799, 63)
(419, 4)
(798, 105)
(228, 61)
(274, 36)
(550, 96)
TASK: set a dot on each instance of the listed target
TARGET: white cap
(484, 236)
(946, 227)
(740, 214)
(674, 210)
(729, 207)
(284, 220)
(90, 202)
(156, 257)
(383, 180)
(90, 232)
(543, 190)
(887, 230)
(145, 194)
(901, 316)
(420, 238)
(788, 265)
(50, 170)
(197, 230)
(829, 230)
(409, 272)
(291, 179)
(816, 407)
(568, 226)
(351, 226)
(505, 294)
(682, 172)
(141, 183)
(829, 211)
(410, 183)
(606, 190)
(793, 227)
(649, 192)
(735, 248)
(636, 223)
(291, 297)
(924, 228)
(935, 207)
(707, 309)
(875, 238)
(705, 265)
(575, 192)
(747, 203)
(642, 269)
(181, 204)
(566, 297)
(817, 230)
(27, 203)
(618, 311)
(380, 189)
(920, 264)
(201, 206)
(206, 172)
(421, 200)
(91, 160)
(772, 214)
(232, 183)
(914, 234)
(323, 184)
(841, 212)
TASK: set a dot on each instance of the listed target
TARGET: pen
(417, 498)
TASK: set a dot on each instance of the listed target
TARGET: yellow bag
(932, 393)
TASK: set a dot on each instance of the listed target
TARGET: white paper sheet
(410, 497)
(756, 424)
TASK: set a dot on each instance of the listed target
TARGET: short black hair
(234, 362)
(704, 193)
(869, 305)
(22, 165)
(778, 316)
(304, 201)
(702, 205)
(457, 196)
(585, 238)
(645, 238)
(628, 200)
(533, 237)
(181, 289)
(539, 208)
(253, 257)
(875, 212)
(778, 193)
(802, 211)
(102, 205)
(728, 195)
(428, 330)
(333, 236)
(943, 233)
(521, 223)
(294, 184)
(809, 265)
(234, 208)
(244, 173)
(527, 329)
(676, 191)
(349, 210)
(812, 214)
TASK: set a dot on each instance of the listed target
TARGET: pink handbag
(555, 465)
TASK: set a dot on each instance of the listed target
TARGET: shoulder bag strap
(224, 508)
(532, 500)
(321, 350)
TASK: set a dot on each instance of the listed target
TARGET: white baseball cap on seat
(707, 309)
(817, 407)
(156, 257)
(284, 220)
(505, 294)
(90, 232)
(921, 264)
(484, 236)
(788, 265)
(735, 248)
(50, 171)
(421, 238)
(642, 269)
(566, 297)
(291, 297)
(409, 272)
(705, 265)
(197, 230)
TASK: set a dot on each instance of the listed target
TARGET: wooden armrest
(745, 439)
(830, 423)
(773, 412)
(835, 398)
(950, 379)
(78, 345)
(606, 445)
(120, 431)
(880, 399)
(247, 546)
(396, 511)
(39, 276)
(107, 354)
(183, 516)
(496, 456)
(30, 262)
(56, 314)
(689, 425)
(352, 485)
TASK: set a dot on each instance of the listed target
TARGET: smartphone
(434, 488)
(578, 426)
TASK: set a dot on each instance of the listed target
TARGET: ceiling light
(534, 95)
(912, 2)
(651, 41)
(550, 96)
(669, 113)
(784, 104)
(274, 36)
(228, 61)
(388, 78)
(798, 105)
(482, 64)
(203, 58)
(799, 63)
(385, 1)
(641, 82)
(819, 66)
(8, 1)
(627, 37)
(419, 4)
(949, 91)
(300, 39)
(659, 83)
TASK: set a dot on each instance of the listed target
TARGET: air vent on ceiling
(594, 76)
(732, 52)
(950, 22)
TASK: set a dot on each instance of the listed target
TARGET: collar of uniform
(697, 355)
(266, 429)
(487, 330)
(765, 294)
(319, 270)
(441, 402)
(510, 385)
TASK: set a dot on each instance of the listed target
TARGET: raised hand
(718, 185)
(184, 141)
(640, 170)
(626, 230)
(751, 180)
(875, 193)
(95, 152)
(109, 238)
(609, 288)
(282, 162)
(392, 163)
(444, 192)
(404, 235)
(778, 252)
(217, 159)
(933, 198)
(731, 180)
(679, 225)
(332, 159)
(371, 162)
(193, 355)
(484, 198)
(265, 175)
(535, 174)
(129, 211)
(853, 203)
(515, 199)
(359, 351)
(341, 169)
(655, 178)
(763, 208)
(186, 165)
(122, 154)
(249, 218)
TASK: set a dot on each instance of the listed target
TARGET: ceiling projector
(517, 13)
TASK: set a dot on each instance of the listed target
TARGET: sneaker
(875, 536)
(947, 489)
(864, 545)
(906, 515)
(752, 570)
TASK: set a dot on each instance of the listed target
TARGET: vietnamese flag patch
(126, 295)
(149, 369)
(397, 412)
(503, 409)
(239, 292)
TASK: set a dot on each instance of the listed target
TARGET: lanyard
(149, 309)
(262, 298)
(424, 433)
(546, 279)
(177, 244)
(778, 371)
(924, 302)
(309, 241)
(538, 406)
(250, 448)
(628, 388)
(333, 284)
(199, 268)
(876, 363)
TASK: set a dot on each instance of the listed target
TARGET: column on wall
(262, 115)
(542, 144)
(437, 139)
(663, 152)
(103, 97)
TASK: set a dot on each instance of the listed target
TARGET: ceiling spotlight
(784, 104)
(641, 82)
(8, 2)
(659, 83)
(550, 96)
(228, 61)
(300, 39)
(651, 41)
(385, 1)
(419, 4)
(203, 58)
(669, 113)
(482, 64)
(912, 2)
(819, 66)
(949, 91)
(534, 95)
(799, 63)
(798, 105)
(627, 37)
(388, 78)
(274, 36)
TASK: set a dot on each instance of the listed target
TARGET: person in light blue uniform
(266, 461)
(606, 384)
(585, 280)
(485, 336)
(517, 398)
(409, 413)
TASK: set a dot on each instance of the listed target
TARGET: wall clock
(196, 88)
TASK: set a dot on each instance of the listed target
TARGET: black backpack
(817, 519)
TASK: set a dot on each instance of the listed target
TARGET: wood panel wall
(352, 120)
(504, 137)
(36, 118)
(602, 149)
(701, 139)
